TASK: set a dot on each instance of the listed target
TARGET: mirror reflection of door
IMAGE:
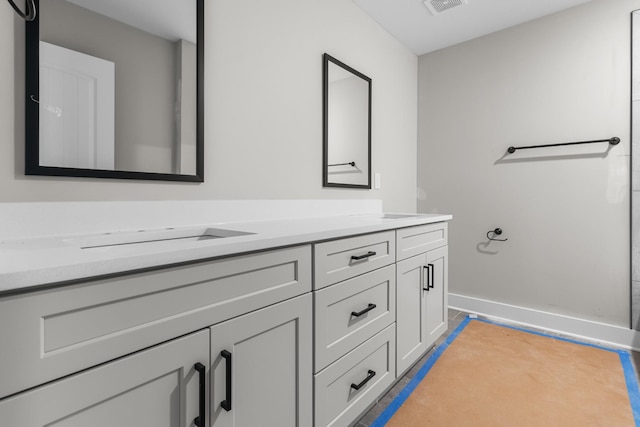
(76, 109)
(347, 126)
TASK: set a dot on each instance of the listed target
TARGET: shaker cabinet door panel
(437, 300)
(261, 367)
(421, 304)
(410, 312)
(158, 387)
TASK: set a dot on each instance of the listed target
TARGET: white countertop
(34, 261)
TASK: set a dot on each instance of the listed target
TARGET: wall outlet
(376, 181)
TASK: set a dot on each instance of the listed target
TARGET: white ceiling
(413, 25)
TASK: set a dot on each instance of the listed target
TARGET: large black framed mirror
(114, 89)
(346, 160)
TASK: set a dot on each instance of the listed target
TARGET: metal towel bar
(613, 141)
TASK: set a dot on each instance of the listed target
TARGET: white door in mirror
(77, 109)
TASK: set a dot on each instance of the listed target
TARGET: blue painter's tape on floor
(395, 404)
(632, 385)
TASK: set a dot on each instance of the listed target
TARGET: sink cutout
(399, 216)
(156, 237)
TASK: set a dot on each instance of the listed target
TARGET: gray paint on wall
(263, 108)
(565, 211)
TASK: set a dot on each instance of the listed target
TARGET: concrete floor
(455, 318)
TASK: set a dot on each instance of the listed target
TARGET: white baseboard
(608, 335)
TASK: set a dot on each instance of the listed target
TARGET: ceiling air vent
(439, 6)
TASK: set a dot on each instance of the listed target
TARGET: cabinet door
(437, 298)
(158, 387)
(421, 305)
(261, 367)
(410, 311)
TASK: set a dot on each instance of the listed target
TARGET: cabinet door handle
(361, 257)
(425, 277)
(202, 374)
(370, 375)
(226, 403)
(366, 310)
(432, 269)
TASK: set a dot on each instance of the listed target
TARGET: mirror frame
(32, 115)
(327, 59)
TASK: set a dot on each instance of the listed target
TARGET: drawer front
(337, 402)
(342, 259)
(416, 240)
(351, 312)
(59, 331)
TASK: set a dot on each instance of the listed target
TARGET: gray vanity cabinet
(122, 351)
(158, 387)
(231, 339)
(269, 359)
(261, 367)
(380, 303)
(422, 291)
(51, 333)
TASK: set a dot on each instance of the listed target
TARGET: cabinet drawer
(60, 331)
(342, 259)
(416, 240)
(339, 328)
(337, 402)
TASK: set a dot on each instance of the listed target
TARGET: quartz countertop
(26, 263)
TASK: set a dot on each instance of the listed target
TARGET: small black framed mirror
(346, 126)
(115, 89)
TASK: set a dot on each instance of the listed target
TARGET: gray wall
(565, 211)
(263, 100)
